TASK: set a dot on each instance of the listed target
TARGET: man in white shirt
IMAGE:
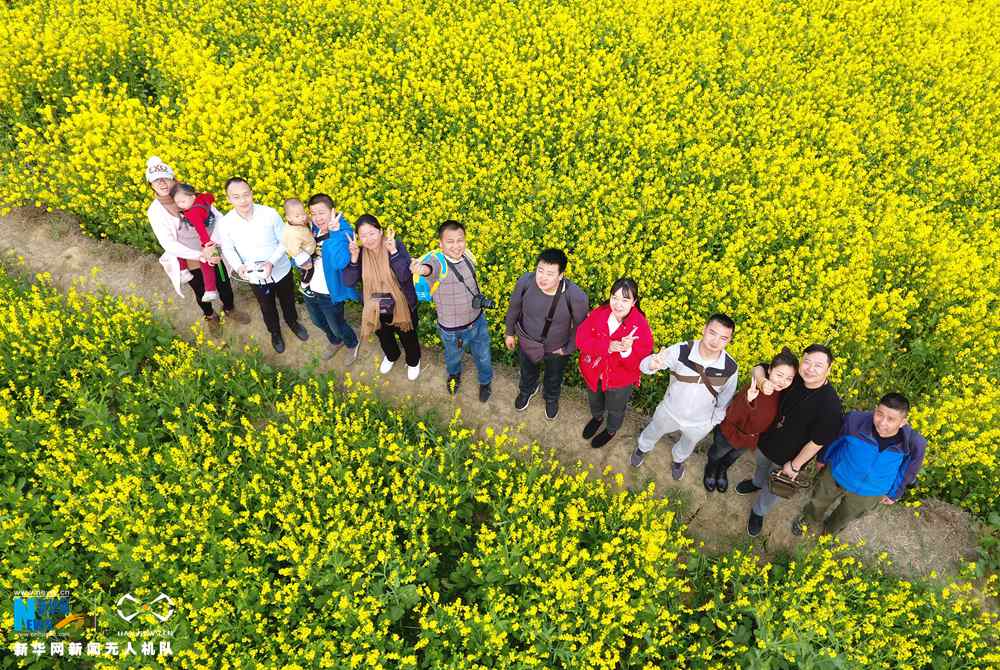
(250, 239)
(703, 382)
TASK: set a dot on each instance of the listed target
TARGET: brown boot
(237, 316)
(213, 325)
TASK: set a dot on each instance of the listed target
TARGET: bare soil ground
(939, 537)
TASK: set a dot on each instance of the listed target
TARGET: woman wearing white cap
(182, 250)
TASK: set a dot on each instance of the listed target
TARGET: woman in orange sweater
(751, 412)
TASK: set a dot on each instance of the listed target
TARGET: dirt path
(938, 539)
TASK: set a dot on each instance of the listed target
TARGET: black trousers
(225, 288)
(721, 448)
(554, 366)
(387, 336)
(612, 401)
(268, 295)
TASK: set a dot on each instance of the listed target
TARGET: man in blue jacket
(875, 458)
(326, 306)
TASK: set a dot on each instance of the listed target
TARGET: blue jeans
(477, 338)
(329, 317)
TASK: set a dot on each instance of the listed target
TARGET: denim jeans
(475, 337)
(329, 317)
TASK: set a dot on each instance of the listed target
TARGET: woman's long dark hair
(629, 289)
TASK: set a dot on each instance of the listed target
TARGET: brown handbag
(780, 485)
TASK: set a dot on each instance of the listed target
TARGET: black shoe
(746, 487)
(485, 391)
(637, 457)
(591, 428)
(677, 471)
(601, 439)
(722, 478)
(754, 524)
(551, 409)
(454, 381)
(521, 401)
(299, 330)
(278, 342)
(709, 480)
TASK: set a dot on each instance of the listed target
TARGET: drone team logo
(129, 607)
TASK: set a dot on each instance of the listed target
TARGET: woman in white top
(182, 251)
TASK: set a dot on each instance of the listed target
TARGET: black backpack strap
(729, 368)
(685, 358)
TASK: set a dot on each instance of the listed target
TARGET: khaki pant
(828, 495)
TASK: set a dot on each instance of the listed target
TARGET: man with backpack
(704, 378)
(448, 277)
(545, 310)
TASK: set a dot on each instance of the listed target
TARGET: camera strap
(459, 277)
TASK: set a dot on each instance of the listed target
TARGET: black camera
(480, 301)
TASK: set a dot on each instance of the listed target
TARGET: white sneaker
(386, 365)
(210, 296)
(412, 372)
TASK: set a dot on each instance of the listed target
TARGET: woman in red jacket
(751, 412)
(612, 340)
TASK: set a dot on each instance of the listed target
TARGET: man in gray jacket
(545, 310)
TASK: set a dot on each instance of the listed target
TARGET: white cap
(157, 169)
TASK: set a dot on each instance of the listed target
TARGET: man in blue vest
(875, 458)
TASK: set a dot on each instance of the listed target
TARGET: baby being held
(197, 219)
(299, 240)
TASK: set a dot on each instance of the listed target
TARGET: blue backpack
(425, 290)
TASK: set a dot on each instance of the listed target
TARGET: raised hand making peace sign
(389, 241)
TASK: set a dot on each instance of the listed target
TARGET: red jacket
(197, 216)
(593, 338)
(745, 421)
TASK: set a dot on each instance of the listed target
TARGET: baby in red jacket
(197, 217)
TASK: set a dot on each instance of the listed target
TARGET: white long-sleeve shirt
(613, 324)
(693, 404)
(255, 239)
